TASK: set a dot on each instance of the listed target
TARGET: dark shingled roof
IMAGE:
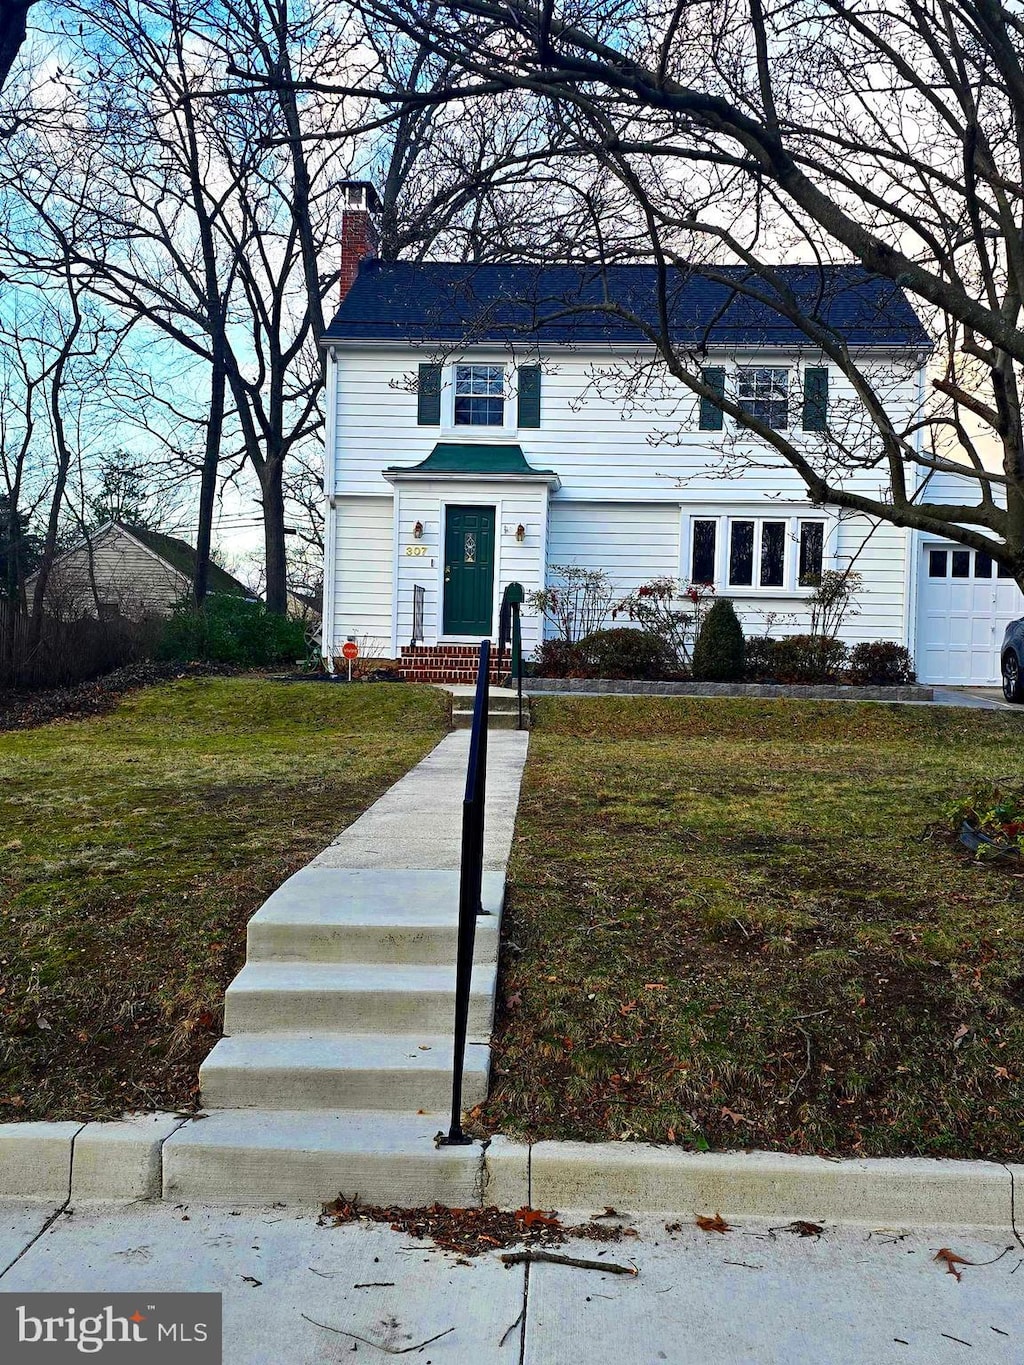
(440, 301)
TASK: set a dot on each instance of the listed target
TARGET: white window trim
(745, 367)
(723, 539)
(474, 434)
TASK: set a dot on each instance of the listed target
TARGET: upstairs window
(479, 396)
(763, 392)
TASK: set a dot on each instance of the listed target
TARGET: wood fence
(64, 652)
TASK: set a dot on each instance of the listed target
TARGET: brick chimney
(358, 230)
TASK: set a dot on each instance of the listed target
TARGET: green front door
(468, 570)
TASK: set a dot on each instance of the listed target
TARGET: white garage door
(965, 604)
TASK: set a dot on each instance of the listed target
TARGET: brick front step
(448, 664)
(460, 652)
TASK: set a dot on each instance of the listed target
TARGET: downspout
(327, 648)
(911, 576)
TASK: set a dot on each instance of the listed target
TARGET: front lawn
(725, 929)
(134, 848)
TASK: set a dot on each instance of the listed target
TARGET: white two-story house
(484, 424)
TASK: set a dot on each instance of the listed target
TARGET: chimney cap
(360, 194)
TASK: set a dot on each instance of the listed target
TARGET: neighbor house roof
(442, 301)
(177, 554)
(182, 556)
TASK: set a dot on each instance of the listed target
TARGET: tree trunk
(273, 534)
(208, 486)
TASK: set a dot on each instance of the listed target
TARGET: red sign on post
(350, 650)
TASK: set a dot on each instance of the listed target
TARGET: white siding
(878, 552)
(362, 574)
(605, 440)
(515, 561)
(634, 469)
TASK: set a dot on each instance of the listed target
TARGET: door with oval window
(468, 570)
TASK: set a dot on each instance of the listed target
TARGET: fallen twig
(511, 1327)
(376, 1284)
(389, 1350)
(959, 1340)
(531, 1257)
(803, 1074)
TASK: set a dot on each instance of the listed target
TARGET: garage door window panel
(937, 563)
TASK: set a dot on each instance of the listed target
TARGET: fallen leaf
(736, 1118)
(251, 1279)
(960, 1035)
(536, 1218)
(655, 986)
(804, 1229)
(628, 1007)
(716, 1224)
(952, 1260)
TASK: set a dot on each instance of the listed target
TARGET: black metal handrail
(470, 888)
(510, 627)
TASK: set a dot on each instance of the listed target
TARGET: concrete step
(307, 997)
(496, 720)
(256, 1156)
(339, 1071)
(333, 914)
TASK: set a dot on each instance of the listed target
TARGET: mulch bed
(471, 1232)
(21, 709)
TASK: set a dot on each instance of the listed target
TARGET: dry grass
(726, 930)
(135, 847)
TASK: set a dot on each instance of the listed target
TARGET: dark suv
(1012, 655)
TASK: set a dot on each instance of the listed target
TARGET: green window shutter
(428, 396)
(815, 414)
(711, 417)
(529, 395)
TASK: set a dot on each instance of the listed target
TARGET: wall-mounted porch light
(417, 531)
(520, 533)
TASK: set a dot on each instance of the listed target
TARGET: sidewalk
(752, 1296)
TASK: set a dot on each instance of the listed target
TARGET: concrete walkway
(754, 1296)
(335, 1071)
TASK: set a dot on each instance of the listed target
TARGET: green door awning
(477, 460)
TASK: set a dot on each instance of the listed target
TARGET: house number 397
(416, 551)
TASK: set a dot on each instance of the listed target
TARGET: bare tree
(748, 132)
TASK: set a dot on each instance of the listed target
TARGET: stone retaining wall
(824, 692)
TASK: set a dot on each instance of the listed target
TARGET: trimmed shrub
(882, 663)
(759, 659)
(807, 659)
(231, 630)
(556, 659)
(625, 653)
(718, 651)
